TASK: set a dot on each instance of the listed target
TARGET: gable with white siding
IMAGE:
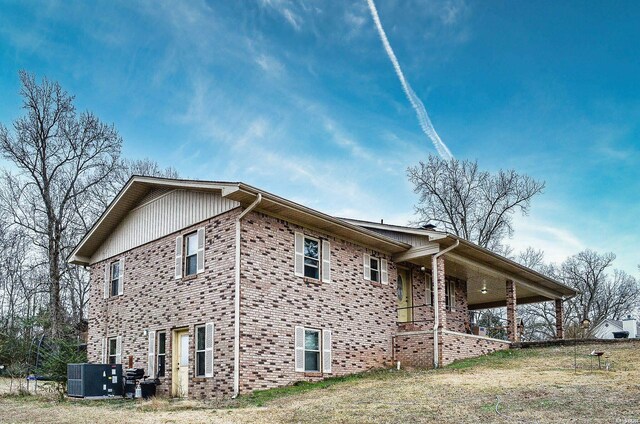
(160, 215)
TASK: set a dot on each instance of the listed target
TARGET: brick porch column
(442, 298)
(512, 325)
(559, 319)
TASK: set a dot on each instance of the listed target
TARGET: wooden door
(405, 313)
(181, 364)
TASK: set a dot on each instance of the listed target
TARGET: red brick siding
(361, 314)
(414, 350)
(153, 299)
(462, 346)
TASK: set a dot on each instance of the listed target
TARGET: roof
(139, 186)
(370, 234)
(477, 253)
(618, 324)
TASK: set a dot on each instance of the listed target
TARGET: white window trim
(186, 251)
(151, 355)
(377, 260)
(158, 354)
(319, 351)
(319, 258)
(196, 350)
(429, 285)
(209, 333)
(115, 354)
(324, 350)
(451, 299)
(324, 257)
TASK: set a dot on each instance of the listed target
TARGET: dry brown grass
(537, 385)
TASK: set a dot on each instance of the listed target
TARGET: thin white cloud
(557, 243)
(416, 103)
(269, 64)
(284, 8)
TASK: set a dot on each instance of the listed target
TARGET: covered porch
(441, 285)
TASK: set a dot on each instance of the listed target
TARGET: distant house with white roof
(606, 329)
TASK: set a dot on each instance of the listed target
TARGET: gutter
(436, 314)
(236, 315)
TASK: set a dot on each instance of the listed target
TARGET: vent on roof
(428, 227)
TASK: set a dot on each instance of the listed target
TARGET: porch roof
(470, 260)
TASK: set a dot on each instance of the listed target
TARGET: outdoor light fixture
(483, 290)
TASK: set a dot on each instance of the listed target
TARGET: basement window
(311, 350)
(200, 350)
(162, 353)
(112, 354)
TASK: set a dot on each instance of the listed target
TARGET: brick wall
(361, 314)
(153, 299)
(414, 349)
(455, 346)
(423, 313)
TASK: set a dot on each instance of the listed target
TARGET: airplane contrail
(416, 103)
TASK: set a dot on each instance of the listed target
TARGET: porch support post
(512, 326)
(559, 320)
(442, 295)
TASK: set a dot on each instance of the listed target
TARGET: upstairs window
(374, 263)
(375, 269)
(191, 254)
(115, 278)
(312, 258)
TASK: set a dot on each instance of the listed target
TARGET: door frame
(409, 274)
(176, 351)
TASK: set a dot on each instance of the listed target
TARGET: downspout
(236, 338)
(436, 314)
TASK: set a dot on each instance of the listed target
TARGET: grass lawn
(530, 385)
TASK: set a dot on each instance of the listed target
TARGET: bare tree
(601, 295)
(60, 156)
(473, 204)
(88, 210)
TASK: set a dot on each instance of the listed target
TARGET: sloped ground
(530, 385)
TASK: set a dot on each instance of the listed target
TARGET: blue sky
(300, 98)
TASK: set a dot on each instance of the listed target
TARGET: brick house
(220, 288)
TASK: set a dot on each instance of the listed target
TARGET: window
(162, 350)
(191, 254)
(112, 352)
(115, 278)
(311, 350)
(200, 350)
(311, 258)
(310, 261)
(450, 293)
(429, 284)
(375, 269)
